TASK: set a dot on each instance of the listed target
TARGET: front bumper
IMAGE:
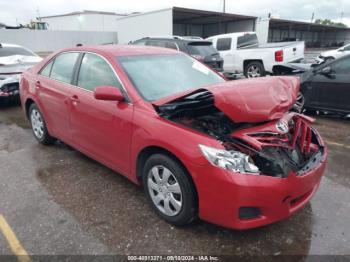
(222, 193)
(9, 86)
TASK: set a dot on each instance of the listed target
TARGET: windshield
(9, 51)
(159, 76)
(202, 49)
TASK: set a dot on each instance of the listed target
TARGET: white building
(184, 21)
(83, 21)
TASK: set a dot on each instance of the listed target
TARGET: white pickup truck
(242, 53)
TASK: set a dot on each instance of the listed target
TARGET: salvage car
(330, 55)
(197, 48)
(228, 152)
(14, 59)
(327, 87)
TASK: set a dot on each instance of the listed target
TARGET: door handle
(74, 99)
(37, 84)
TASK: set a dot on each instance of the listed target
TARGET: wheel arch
(27, 105)
(247, 61)
(146, 152)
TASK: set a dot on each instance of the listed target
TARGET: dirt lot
(57, 201)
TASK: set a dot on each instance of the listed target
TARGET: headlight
(230, 160)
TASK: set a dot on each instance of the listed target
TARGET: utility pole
(341, 16)
(312, 17)
(224, 6)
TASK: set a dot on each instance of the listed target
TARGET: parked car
(14, 59)
(242, 53)
(327, 87)
(197, 48)
(226, 151)
(333, 54)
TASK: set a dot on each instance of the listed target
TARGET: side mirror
(326, 70)
(108, 93)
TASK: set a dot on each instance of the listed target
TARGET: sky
(13, 12)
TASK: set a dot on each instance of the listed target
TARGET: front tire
(254, 69)
(169, 190)
(39, 126)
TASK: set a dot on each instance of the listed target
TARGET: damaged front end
(261, 140)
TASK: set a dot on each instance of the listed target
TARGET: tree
(329, 22)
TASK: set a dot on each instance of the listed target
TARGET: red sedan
(229, 152)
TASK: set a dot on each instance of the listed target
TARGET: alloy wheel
(253, 71)
(165, 191)
(299, 104)
(37, 123)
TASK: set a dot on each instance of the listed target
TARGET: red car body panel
(115, 134)
(256, 100)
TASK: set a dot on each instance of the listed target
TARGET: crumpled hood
(256, 100)
(249, 100)
(19, 59)
(17, 63)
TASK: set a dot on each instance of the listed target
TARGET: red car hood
(251, 100)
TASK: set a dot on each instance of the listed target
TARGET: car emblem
(282, 126)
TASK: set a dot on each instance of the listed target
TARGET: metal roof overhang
(201, 17)
(302, 26)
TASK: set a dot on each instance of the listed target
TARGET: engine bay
(274, 153)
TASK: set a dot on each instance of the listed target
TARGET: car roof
(123, 50)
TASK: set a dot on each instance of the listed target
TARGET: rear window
(9, 51)
(223, 44)
(247, 40)
(165, 44)
(202, 49)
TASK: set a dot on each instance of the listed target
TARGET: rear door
(54, 88)
(101, 129)
(332, 91)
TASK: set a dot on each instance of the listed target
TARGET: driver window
(342, 66)
(347, 48)
(95, 71)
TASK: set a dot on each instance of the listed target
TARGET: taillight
(279, 56)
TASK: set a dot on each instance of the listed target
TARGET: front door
(332, 91)
(101, 129)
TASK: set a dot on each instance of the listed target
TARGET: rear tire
(254, 69)
(38, 125)
(169, 190)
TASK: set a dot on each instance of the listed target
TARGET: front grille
(299, 150)
(300, 135)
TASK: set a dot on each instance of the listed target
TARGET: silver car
(14, 60)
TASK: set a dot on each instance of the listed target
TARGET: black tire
(255, 64)
(188, 211)
(46, 138)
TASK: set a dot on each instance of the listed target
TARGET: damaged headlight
(230, 160)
